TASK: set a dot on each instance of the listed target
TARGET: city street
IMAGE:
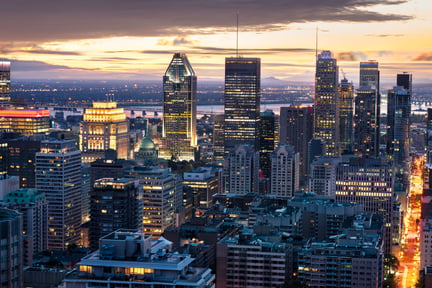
(409, 257)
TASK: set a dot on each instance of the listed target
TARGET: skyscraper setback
(179, 110)
(242, 102)
(326, 117)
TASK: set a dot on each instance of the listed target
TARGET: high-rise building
(326, 114)
(218, 137)
(346, 112)
(58, 175)
(104, 127)
(4, 83)
(131, 259)
(34, 209)
(11, 268)
(426, 218)
(243, 170)
(25, 121)
(398, 118)
(370, 75)
(367, 122)
(159, 197)
(405, 80)
(267, 139)
(115, 204)
(179, 110)
(285, 171)
(370, 182)
(296, 129)
(203, 183)
(242, 102)
(8, 184)
(322, 176)
(22, 159)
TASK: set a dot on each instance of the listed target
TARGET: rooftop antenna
(343, 73)
(316, 43)
(237, 51)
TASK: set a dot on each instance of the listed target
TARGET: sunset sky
(135, 39)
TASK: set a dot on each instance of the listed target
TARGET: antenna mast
(237, 14)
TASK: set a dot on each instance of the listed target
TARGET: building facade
(243, 170)
(267, 141)
(58, 175)
(242, 102)
(104, 127)
(285, 171)
(346, 113)
(179, 110)
(4, 83)
(24, 121)
(326, 114)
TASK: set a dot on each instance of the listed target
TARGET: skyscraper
(115, 204)
(243, 170)
(346, 110)
(366, 119)
(179, 110)
(326, 116)
(370, 75)
(4, 83)
(242, 102)
(285, 174)
(58, 175)
(296, 128)
(267, 140)
(218, 137)
(104, 127)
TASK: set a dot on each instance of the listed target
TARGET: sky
(135, 39)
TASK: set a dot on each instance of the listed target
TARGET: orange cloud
(423, 57)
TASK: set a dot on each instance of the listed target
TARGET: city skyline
(131, 40)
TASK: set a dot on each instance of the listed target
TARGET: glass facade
(346, 111)
(179, 110)
(326, 117)
(242, 102)
(4, 83)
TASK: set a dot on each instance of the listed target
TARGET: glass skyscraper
(326, 117)
(4, 83)
(242, 102)
(179, 110)
(346, 107)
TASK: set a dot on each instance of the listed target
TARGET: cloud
(38, 66)
(351, 56)
(53, 20)
(50, 52)
(384, 35)
(423, 57)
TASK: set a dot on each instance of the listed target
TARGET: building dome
(147, 144)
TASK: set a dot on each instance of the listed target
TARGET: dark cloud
(201, 50)
(39, 66)
(423, 57)
(351, 56)
(50, 52)
(114, 59)
(53, 20)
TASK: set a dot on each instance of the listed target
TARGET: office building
(426, 219)
(346, 113)
(130, 259)
(369, 182)
(285, 171)
(249, 260)
(326, 114)
(22, 159)
(267, 135)
(218, 137)
(115, 204)
(179, 110)
(24, 121)
(8, 184)
(296, 129)
(322, 176)
(370, 75)
(159, 198)
(367, 123)
(104, 127)
(203, 182)
(243, 165)
(109, 168)
(353, 259)
(34, 209)
(242, 102)
(11, 249)
(4, 83)
(58, 175)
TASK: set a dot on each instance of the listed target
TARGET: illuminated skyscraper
(267, 136)
(24, 121)
(370, 75)
(104, 127)
(242, 102)
(346, 107)
(366, 119)
(4, 83)
(326, 121)
(218, 137)
(179, 110)
(58, 175)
